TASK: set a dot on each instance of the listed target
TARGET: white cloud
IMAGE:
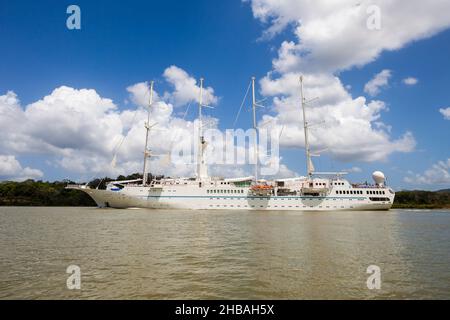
(80, 131)
(186, 88)
(380, 80)
(445, 112)
(410, 81)
(438, 174)
(333, 35)
(353, 170)
(11, 169)
(140, 94)
(348, 129)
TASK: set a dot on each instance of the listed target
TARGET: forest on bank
(41, 193)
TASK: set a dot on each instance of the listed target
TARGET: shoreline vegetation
(42, 193)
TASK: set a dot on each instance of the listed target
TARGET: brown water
(155, 254)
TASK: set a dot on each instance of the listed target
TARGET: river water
(157, 254)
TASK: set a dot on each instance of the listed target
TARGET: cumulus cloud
(330, 37)
(11, 169)
(445, 112)
(82, 132)
(186, 88)
(410, 81)
(379, 81)
(438, 174)
(333, 35)
(348, 129)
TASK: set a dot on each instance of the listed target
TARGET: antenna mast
(256, 151)
(147, 130)
(309, 165)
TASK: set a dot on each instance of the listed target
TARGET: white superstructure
(315, 192)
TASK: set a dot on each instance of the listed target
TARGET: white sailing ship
(318, 191)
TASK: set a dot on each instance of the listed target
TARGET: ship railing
(367, 186)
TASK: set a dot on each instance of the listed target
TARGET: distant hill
(444, 190)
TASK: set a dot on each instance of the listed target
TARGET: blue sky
(123, 44)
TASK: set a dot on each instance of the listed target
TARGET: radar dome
(378, 177)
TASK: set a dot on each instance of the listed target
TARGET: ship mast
(147, 131)
(309, 164)
(256, 151)
(202, 169)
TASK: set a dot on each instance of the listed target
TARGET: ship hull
(141, 198)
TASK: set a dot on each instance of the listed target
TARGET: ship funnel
(378, 177)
